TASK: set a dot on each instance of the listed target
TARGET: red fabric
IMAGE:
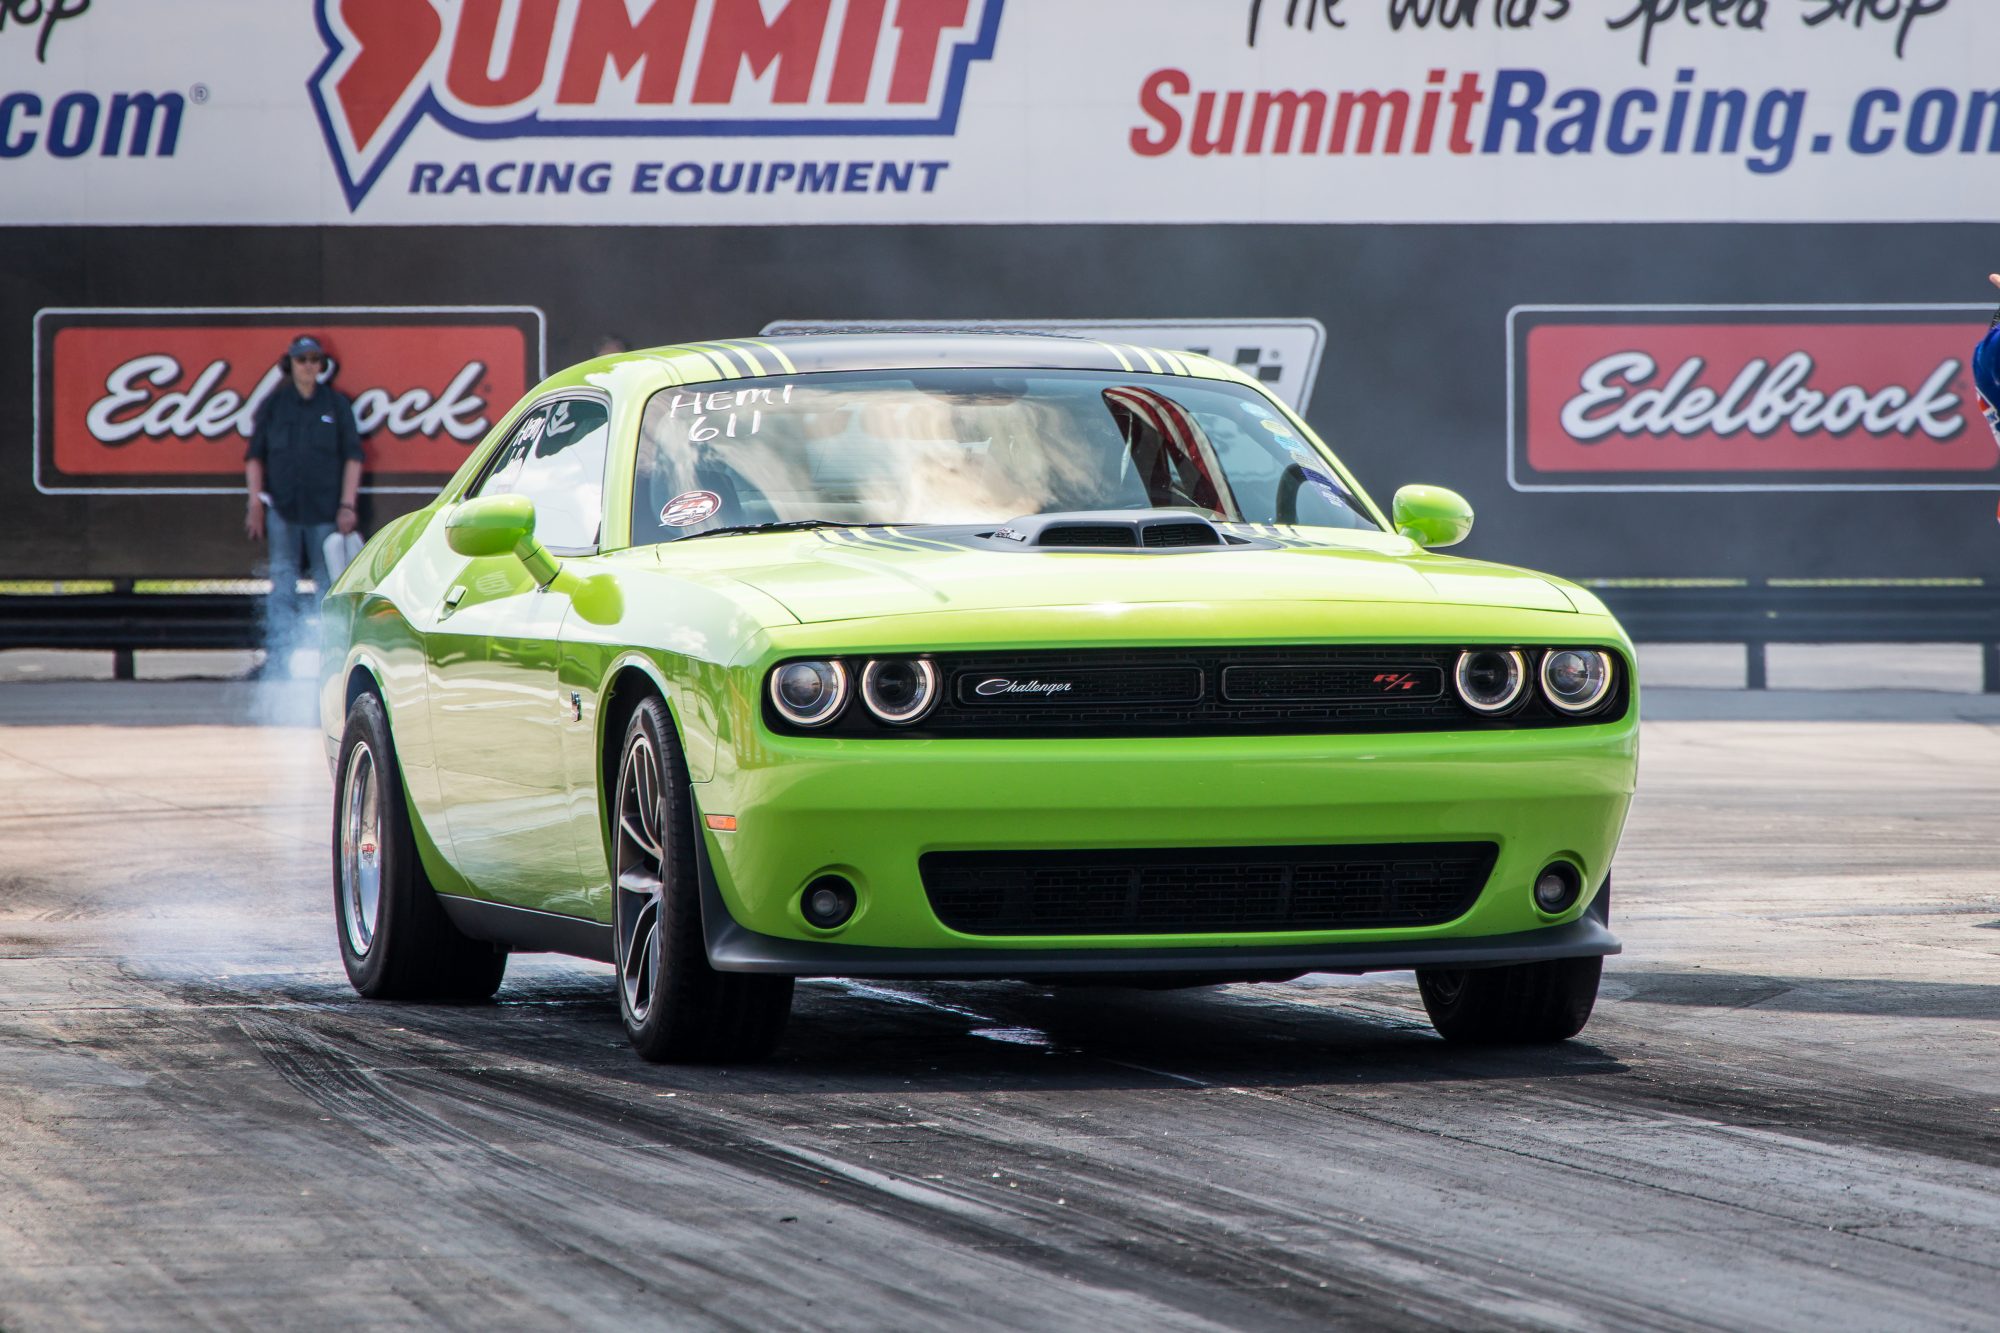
(1182, 452)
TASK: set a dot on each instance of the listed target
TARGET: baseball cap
(305, 345)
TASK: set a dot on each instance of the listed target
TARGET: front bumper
(732, 948)
(868, 810)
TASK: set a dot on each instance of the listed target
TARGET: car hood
(847, 575)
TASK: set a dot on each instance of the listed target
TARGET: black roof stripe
(731, 357)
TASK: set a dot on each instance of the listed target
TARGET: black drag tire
(1526, 1004)
(410, 950)
(675, 1006)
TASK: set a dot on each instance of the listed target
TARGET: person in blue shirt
(303, 472)
(1986, 369)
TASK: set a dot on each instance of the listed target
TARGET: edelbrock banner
(163, 401)
(1746, 398)
(647, 112)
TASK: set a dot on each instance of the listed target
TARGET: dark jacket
(304, 444)
(1986, 375)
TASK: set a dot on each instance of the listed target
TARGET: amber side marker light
(720, 823)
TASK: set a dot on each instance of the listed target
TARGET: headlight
(1491, 680)
(1576, 679)
(809, 694)
(899, 690)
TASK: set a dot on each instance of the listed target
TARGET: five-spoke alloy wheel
(675, 1006)
(359, 876)
(395, 938)
(641, 878)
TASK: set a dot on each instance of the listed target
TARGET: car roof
(878, 349)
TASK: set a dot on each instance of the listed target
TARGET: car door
(498, 711)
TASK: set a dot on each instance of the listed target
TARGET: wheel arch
(632, 679)
(362, 679)
(365, 676)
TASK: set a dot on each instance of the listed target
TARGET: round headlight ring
(805, 704)
(899, 690)
(1586, 671)
(1474, 663)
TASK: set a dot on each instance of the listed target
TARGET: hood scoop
(1112, 530)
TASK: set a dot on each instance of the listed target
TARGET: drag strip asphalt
(1786, 1113)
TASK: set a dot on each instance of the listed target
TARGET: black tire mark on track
(1213, 1273)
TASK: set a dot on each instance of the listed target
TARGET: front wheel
(676, 1007)
(395, 938)
(1523, 1004)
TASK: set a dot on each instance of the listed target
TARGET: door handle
(453, 598)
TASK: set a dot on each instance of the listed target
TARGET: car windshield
(912, 447)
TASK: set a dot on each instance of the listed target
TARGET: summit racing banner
(646, 112)
(599, 69)
(150, 402)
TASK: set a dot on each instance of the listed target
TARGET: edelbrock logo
(487, 69)
(1623, 394)
(149, 396)
(1000, 685)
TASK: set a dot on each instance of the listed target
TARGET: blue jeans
(283, 627)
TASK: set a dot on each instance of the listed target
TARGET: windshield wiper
(790, 525)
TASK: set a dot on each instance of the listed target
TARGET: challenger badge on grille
(1112, 687)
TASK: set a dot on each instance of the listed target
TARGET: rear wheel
(395, 938)
(1520, 1005)
(676, 1007)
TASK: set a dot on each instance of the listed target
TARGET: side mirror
(1431, 515)
(500, 525)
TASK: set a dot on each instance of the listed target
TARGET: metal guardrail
(1809, 611)
(126, 615)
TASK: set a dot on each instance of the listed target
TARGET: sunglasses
(310, 359)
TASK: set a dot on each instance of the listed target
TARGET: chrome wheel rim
(641, 877)
(360, 851)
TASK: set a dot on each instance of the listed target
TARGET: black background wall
(1412, 387)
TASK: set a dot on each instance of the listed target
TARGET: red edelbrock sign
(134, 400)
(1792, 399)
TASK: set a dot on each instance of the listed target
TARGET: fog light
(809, 694)
(828, 902)
(1557, 887)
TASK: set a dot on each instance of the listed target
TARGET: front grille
(1087, 534)
(1241, 691)
(1329, 682)
(1208, 890)
(1304, 690)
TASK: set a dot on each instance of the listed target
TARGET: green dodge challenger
(960, 655)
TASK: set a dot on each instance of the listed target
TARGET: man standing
(303, 470)
(1986, 369)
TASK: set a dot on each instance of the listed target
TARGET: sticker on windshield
(689, 508)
